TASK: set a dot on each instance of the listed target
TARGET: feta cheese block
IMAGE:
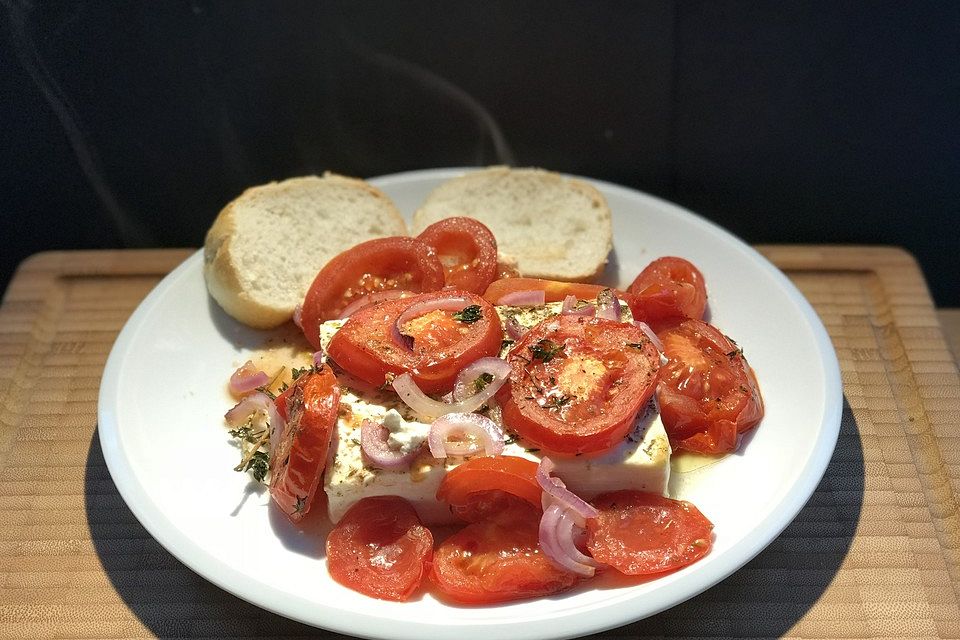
(641, 462)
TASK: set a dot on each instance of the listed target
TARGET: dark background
(132, 123)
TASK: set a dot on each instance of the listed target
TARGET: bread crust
(222, 265)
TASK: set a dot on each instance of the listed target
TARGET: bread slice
(265, 248)
(556, 227)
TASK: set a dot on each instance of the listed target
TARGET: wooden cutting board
(875, 552)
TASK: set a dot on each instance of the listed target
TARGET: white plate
(162, 400)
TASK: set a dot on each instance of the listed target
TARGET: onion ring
(557, 531)
(413, 397)
(257, 402)
(570, 304)
(464, 386)
(555, 492)
(247, 378)
(514, 329)
(484, 435)
(373, 298)
(608, 305)
(373, 443)
(526, 298)
(643, 326)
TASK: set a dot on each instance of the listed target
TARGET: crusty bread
(265, 248)
(555, 227)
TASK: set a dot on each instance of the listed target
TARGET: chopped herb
(482, 381)
(241, 432)
(301, 504)
(636, 345)
(506, 343)
(510, 440)
(284, 387)
(296, 373)
(532, 450)
(545, 350)
(264, 390)
(469, 315)
(259, 464)
(556, 402)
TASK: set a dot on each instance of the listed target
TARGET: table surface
(874, 553)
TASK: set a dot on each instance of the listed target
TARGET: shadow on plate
(167, 597)
(772, 592)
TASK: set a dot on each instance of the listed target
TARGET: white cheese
(641, 462)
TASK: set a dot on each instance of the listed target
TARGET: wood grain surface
(875, 552)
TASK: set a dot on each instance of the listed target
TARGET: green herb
(301, 504)
(241, 432)
(510, 440)
(469, 315)
(267, 392)
(506, 343)
(532, 450)
(636, 345)
(545, 350)
(556, 402)
(259, 464)
(296, 373)
(482, 381)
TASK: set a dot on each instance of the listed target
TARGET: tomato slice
(708, 393)
(497, 561)
(380, 548)
(374, 265)
(310, 408)
(641, 533)
(472, 488)
(554, 290)
(466, 249)
(666, 292)
(368, 347)
(576, 384)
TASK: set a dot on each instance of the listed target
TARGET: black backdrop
(132, 123)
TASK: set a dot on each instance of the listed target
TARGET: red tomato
(367, 345)
(380, 548)
(554, 290)
(497, 561)
(577, 383)
(707, 392)
(667, 291)
(466, 249)
(310, 408)
(374, 265)
(640, 533)
(471, 489)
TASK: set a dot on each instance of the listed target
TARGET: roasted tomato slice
(371, 266)
(466, 249)
(475, 488)
(497, 560)
(380, 548)
(707, 392)
(640, 533)
(577, 383)
(554, 290)
(666, 292)
(432, 347)
(310, 408)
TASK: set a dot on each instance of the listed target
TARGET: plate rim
(616, 613)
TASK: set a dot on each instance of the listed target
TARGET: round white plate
(163, 397)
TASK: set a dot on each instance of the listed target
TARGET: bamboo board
(875, 552)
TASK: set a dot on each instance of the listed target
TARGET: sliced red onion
(643, 326)
(608, 305)
(514, 329)
(481, 435)
(532, 298)
(257, 402)
(373, 298)
(465, 385)
(247, 378)
(558, 533)
(555, 492)
(413, 397)
(298, 316)
(570, 308)
(373, 443)
(494, 412)
(319, 358)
